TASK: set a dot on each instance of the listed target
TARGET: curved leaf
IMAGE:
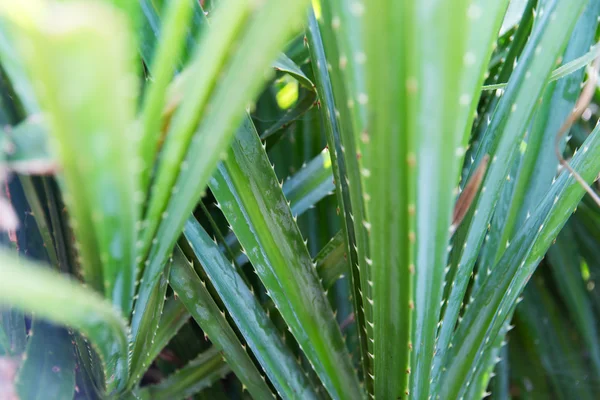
(284, 65)
(75, 69)
(48, 369)
(49, 295)
(28, 148)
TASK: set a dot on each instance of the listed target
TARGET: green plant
(141, 132)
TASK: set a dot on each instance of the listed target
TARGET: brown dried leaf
(468, 194)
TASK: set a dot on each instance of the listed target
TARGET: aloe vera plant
(302, 200)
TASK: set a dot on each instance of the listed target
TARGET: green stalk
(338, 59)
(410, 157)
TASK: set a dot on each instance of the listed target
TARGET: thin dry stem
(582, 103)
